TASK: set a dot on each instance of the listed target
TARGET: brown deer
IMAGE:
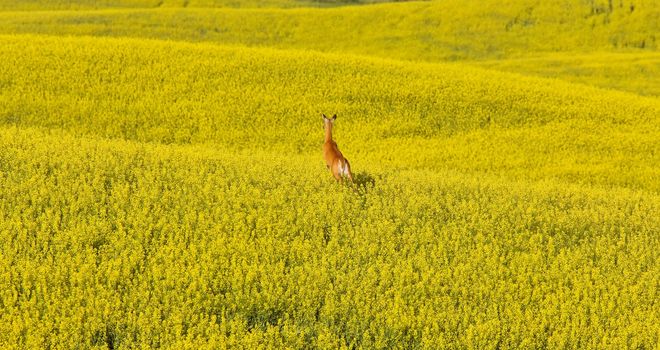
(334, 160)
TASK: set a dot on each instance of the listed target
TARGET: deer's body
(334, 160)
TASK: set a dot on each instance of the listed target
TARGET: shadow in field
(363, 181)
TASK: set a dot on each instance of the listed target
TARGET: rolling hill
(161, 179)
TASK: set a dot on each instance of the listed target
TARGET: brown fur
(334, 160)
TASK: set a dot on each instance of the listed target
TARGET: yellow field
(162, 182)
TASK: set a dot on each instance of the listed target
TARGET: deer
(334, 160)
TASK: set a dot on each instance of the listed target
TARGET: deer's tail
(345, 169)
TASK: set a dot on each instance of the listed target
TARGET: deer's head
(327, 122)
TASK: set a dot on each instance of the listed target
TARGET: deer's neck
(328, 133)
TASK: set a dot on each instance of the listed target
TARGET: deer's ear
(334, 117)
(324, 117)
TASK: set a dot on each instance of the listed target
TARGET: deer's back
(331, 152)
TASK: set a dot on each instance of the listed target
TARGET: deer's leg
(336, 171)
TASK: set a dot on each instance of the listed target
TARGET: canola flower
(165, 194)
(438, 116)
(190, 233)
(124, 244)
(419, 30)
(610, 44)
(634, 72)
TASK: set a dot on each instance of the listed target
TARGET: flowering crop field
(162, 182)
